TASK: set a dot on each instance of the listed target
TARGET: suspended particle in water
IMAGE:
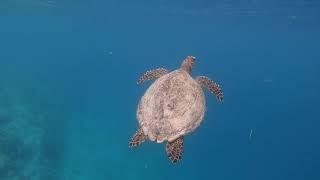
(267, 80)
(108, 52)
(293, 17)
(251, 135)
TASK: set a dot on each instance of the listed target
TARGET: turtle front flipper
(175, 149)
(152, 74)
(211, 85)
(138, 138)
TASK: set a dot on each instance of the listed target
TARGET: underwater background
(68, 92)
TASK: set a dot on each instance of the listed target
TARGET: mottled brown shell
(173, 106)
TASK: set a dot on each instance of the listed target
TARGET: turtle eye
(192, 59)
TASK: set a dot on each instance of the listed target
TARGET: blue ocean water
(68, 92)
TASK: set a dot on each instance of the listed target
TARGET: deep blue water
(68, 92)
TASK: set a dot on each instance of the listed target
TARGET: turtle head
(188, 63)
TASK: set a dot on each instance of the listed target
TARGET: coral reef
(20, 138)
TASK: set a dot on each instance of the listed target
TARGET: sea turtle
(173, 106)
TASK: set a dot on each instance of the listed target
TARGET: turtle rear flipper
(175, 149)
(138, 138)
